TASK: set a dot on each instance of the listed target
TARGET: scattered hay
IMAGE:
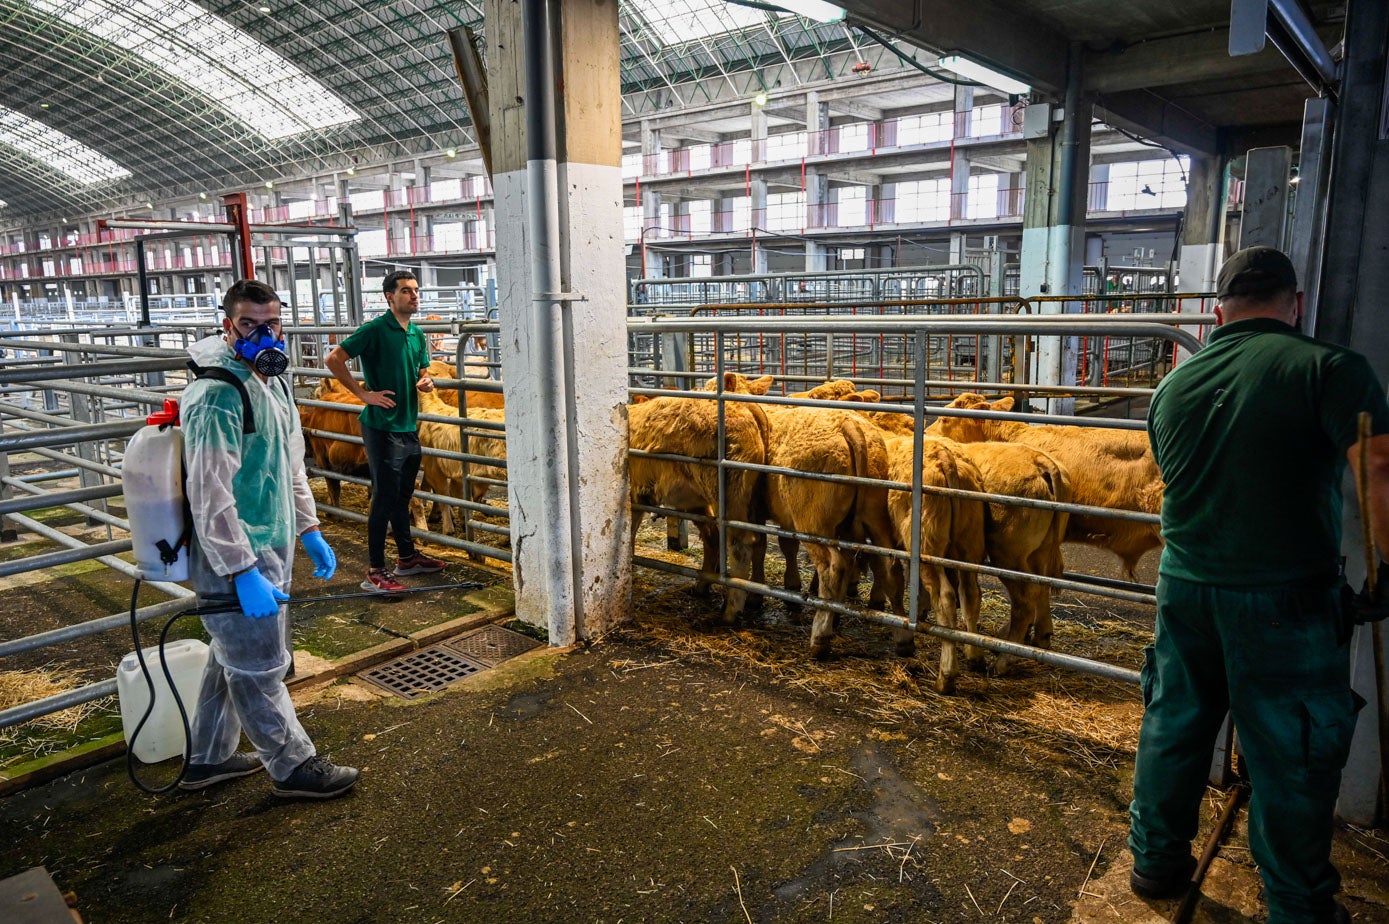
(50, 733)
(1093, 720)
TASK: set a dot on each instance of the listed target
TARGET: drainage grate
(425, 671)
(492, 645)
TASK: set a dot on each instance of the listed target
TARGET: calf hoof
(1001, 666)
(945, 684)
(702, 590)
(820, 651)
(978, 665)
(906, 649)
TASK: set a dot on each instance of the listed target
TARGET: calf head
(972, 429)
(740, 384)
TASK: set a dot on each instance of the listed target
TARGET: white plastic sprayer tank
(152, 479)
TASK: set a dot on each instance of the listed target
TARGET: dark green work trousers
(1272, 658)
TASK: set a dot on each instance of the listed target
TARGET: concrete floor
(635, 781)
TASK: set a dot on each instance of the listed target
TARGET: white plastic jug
(162, 736)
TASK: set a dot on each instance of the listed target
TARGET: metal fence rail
(955, 360)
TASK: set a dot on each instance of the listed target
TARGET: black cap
(1256, 271)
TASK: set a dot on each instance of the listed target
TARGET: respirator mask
(261, 348)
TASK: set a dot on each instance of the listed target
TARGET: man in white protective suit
(249, 499)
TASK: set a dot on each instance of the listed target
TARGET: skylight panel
(679, 21)
(68, 156)
(252, 81)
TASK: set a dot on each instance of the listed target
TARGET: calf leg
(968, 584)
(833, 567)
(1020, 620)
(709, 539)
(791, 553)
(742, 545)
(945, 604)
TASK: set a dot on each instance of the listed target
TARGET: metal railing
(728, 334)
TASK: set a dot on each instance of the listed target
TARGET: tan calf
(446, 476)
(689, 427)
(1106, 468)
(951, 527)
(829, 442)
(331, 455)
(1026, 539)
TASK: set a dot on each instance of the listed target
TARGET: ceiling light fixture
(265, 9)
(269, 184)
(814, 9)
(451, 153)
(351, 171)
(202, 195)
(149, 205)
(760, 99)
(981, 74)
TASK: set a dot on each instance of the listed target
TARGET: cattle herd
(861, 439)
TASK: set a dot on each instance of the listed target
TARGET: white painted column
(1053, 237)
(591, 381)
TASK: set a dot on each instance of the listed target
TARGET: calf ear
(1004, 404)
(868, 395)
(760, 386)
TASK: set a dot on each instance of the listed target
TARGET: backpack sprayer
(152, 475)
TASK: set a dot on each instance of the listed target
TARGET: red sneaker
(382, 582)
(418, 563)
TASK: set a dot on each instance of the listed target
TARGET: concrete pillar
(571, 556)
(959, 163)
(1201, 250)
(817, 121)
(757, 132)
(818, 215)
(957, 247)
(964, 106)
(758, 220)
(1053, 237)
(652, 266)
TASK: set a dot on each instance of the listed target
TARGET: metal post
(1310, 201)
(548, 309)
(352, 269)
(142, 273)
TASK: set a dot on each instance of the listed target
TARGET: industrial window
(52, 148)
(677, 22)
(1147, 184)
(249, 79)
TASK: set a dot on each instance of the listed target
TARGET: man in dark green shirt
(1252, 435)
(395, 362)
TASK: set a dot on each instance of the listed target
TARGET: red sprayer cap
(165, 417)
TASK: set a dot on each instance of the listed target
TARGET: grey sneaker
(200, 776)
(317, 778)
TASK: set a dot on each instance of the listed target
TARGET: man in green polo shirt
(1252, 436)
(395, 362)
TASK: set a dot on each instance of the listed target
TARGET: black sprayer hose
(207, 611)
(149, 709)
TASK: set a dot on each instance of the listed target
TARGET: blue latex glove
(325, 563)
(258, 597)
